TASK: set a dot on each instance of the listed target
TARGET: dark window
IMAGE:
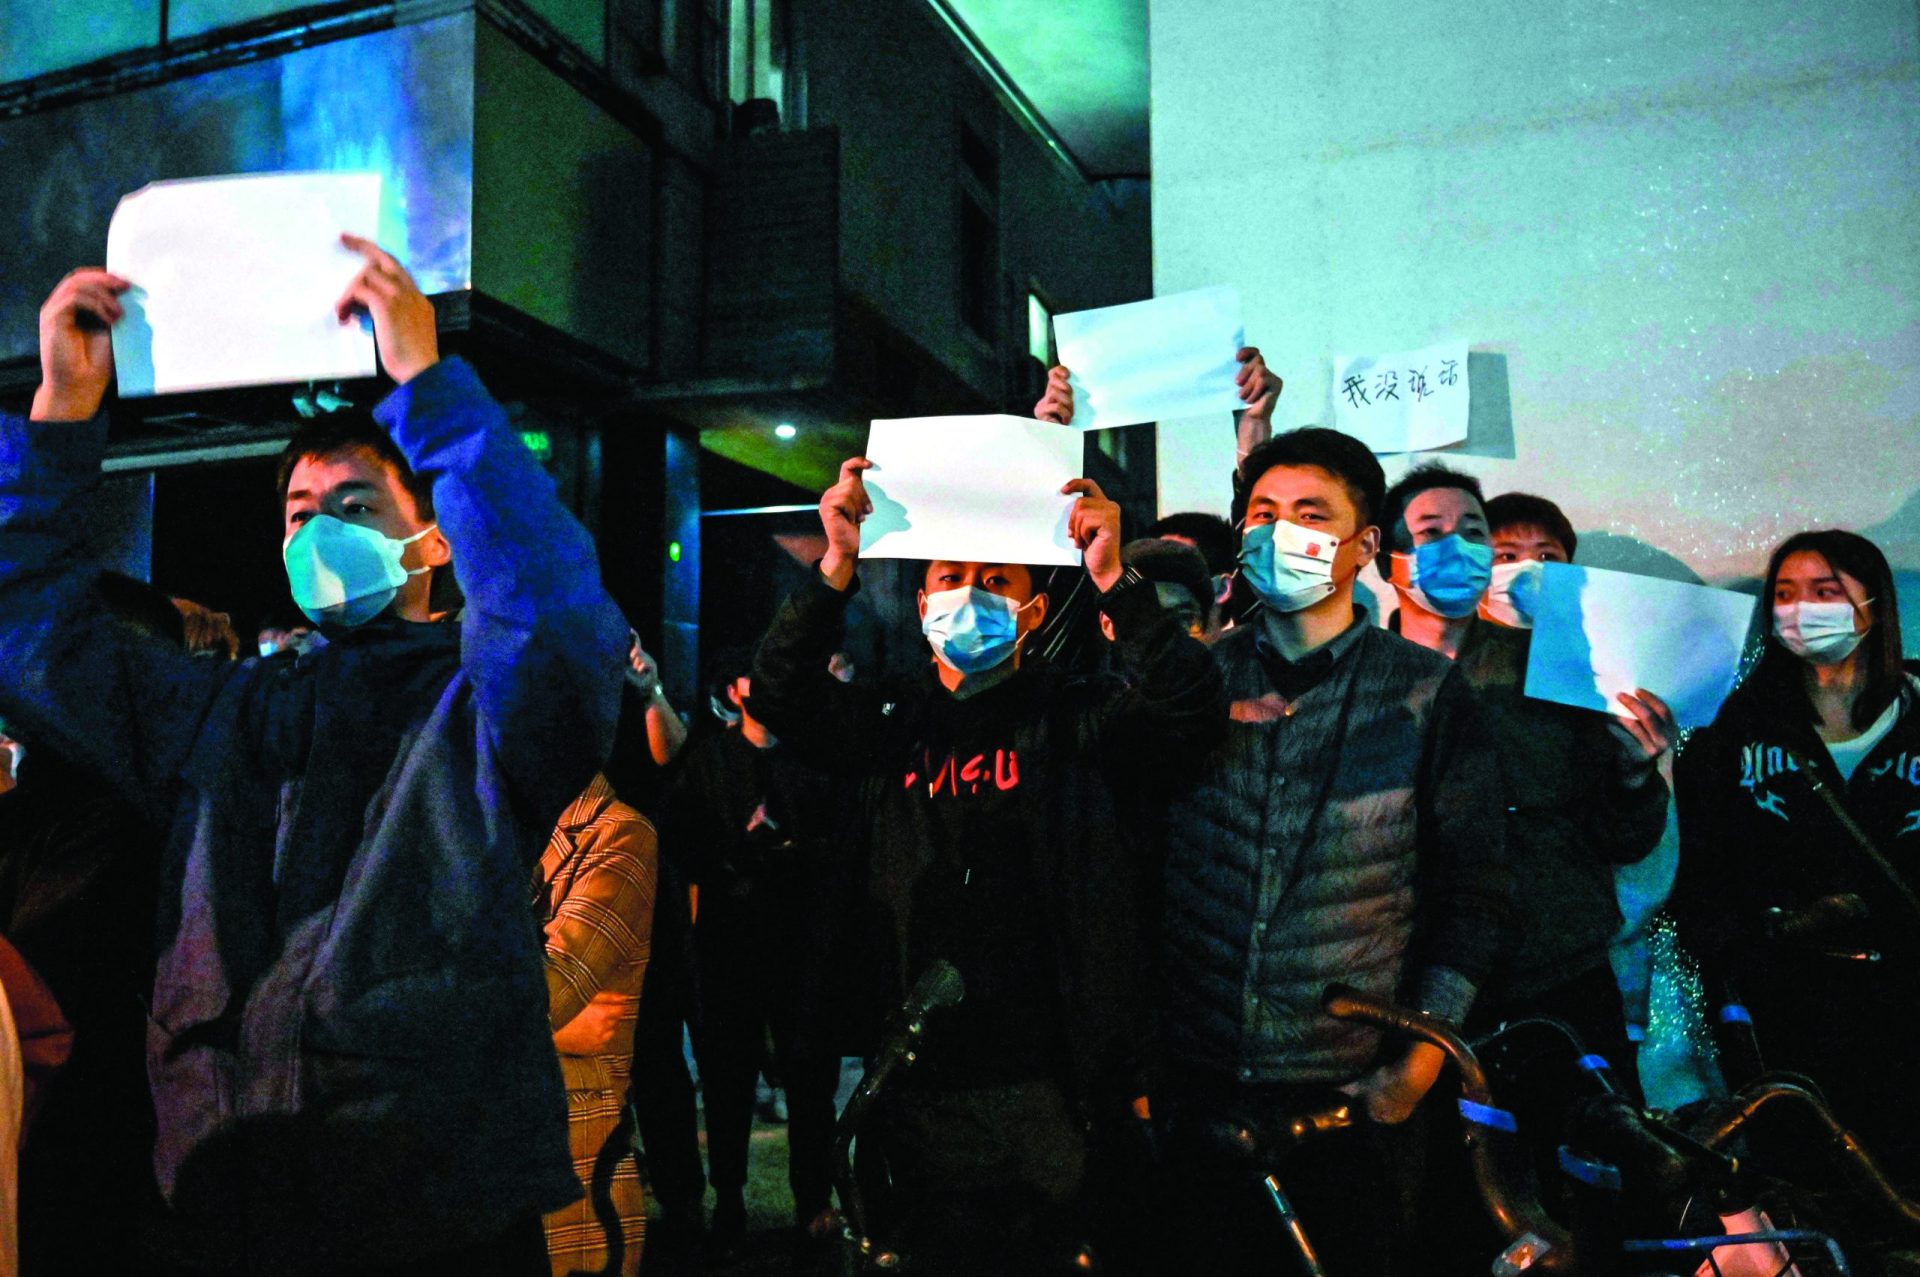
(981, 162)
(713, 39)
(640, 22)
(979, 267)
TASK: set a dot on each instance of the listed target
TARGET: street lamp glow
(785, 430)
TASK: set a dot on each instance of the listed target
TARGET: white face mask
(1290, 567)
(1818, 632)
(1512, 593)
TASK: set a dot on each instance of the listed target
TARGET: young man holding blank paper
(350, 1056)
(987, 822)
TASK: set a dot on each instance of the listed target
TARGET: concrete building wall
(1692, 229)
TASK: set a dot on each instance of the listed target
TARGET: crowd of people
(362, 954)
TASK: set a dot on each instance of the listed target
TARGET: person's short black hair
(1340, 455)
(1393, 508)
(1212, 534)
(1172, 563)
(1525, 510)
(352, 431)
(735, 661)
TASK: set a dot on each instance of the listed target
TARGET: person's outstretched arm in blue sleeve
(542, 642)
(72, 677)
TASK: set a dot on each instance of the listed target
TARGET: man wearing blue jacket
(349, 1050)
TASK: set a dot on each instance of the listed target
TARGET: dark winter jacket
(1754, 835)
(1352, 830)
(349, 1049)
(1573, 816)
(1063, 743)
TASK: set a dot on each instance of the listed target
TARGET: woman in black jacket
(1767, 863)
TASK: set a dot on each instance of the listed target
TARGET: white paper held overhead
(1598, 633)
(235, 279)
(971, 489)
(1156, 360)
(1404, 402)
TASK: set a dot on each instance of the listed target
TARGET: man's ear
(1369, 541)
(435, 551)
(1036, 613)
(1106, 626)
(922, 596)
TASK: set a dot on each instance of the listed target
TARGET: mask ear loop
(403, 542)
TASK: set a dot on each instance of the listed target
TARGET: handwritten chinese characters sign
(1404, 402)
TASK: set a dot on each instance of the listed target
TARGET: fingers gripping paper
(973, 489)
(1156, 360)
(1598, 633)
(235, 278)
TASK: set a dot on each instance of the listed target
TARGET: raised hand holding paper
(1598, 633)
(235, 278)
(1404, 402)
(1155, 360)
(976, 489)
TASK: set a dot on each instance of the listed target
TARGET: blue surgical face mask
(1448, 576)
(972, 629)
(345, 573)
(1290, 567)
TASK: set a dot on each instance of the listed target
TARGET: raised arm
(1626, 814)
(832, 726)
(543, 644)
(72, 678)
(1173, 709)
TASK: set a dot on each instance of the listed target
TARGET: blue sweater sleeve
(73, 679)
(542, 643)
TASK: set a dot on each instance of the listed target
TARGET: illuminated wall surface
(1692, 229)
(399, 102)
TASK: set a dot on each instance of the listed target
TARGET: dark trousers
(729, 1069)
(746, 997)
(663, 1100)
(1353, 1189)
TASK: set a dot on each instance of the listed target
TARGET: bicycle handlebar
(1745, 1103)
(1515, 1213)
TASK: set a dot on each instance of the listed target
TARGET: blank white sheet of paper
(1598, 633)
(1409, 401)
(1157, 360)
(235, 279)
(971, 489)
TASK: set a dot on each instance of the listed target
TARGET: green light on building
(1039, 330)
(673, 551)
(539, 443)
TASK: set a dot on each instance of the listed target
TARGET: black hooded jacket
(988, 835)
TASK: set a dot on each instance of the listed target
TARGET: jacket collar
(589, 806)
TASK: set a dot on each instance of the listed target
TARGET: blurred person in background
(595, 888)
(755, 831)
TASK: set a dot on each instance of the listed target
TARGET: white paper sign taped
(1404, 402)
(971, 489)
(1157, 360)
(235, 279)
